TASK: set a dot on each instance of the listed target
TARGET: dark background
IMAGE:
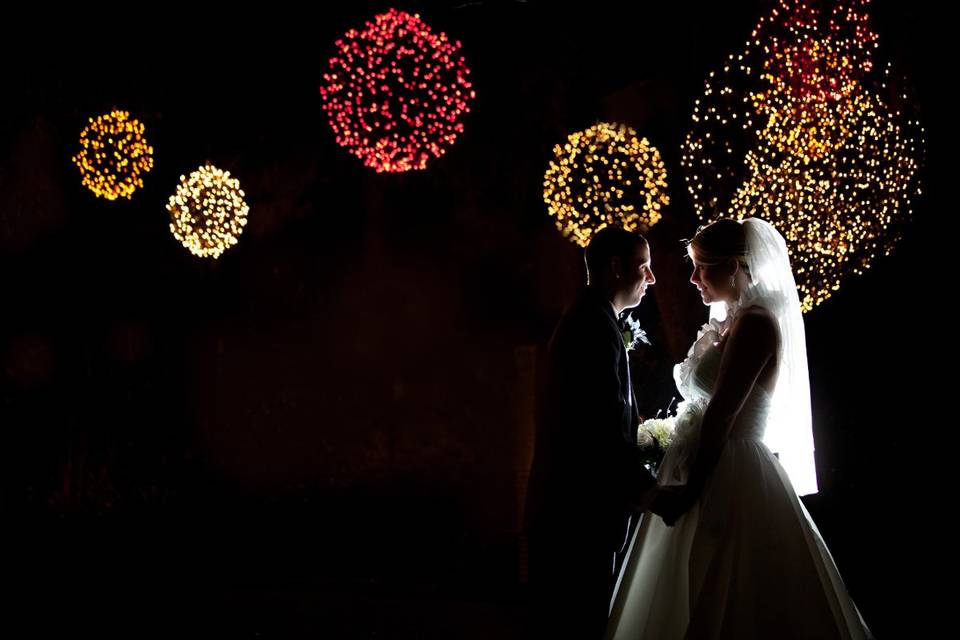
(328, 429)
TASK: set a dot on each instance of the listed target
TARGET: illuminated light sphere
(835, 171)
(842, 211)
(808, 130)
(603, 176)
(813, 65)
(113, 155)
(208, 212)
(396, 93)
(819, 55)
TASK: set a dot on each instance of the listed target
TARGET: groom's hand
(670, 503)
(645, 498)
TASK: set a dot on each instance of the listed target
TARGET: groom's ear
(616, 267)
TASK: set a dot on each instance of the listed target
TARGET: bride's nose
(695, 276)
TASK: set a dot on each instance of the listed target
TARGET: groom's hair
(610, 242)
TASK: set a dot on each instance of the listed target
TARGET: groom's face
(637, 276)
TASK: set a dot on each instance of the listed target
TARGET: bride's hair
(720, 241)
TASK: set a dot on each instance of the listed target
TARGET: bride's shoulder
(758, 313)
(758, 322)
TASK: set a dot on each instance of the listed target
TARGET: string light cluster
(396, 92)
(208, 212)
(603, 176)
(805, 130)
(113, 155)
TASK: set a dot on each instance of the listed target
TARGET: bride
(742, 559)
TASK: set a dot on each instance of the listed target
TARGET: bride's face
(712, 280)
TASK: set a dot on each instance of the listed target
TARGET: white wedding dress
(746, 561)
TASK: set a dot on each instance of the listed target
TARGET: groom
(587, 479)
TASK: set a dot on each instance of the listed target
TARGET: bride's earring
(733, 282)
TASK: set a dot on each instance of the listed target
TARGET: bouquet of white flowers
(653, 438)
